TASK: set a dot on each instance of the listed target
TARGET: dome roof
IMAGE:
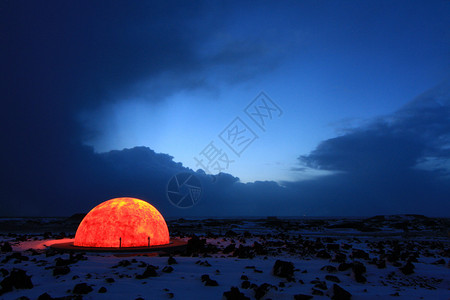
(122, 222)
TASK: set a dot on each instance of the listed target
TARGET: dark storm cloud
(58, 58)
(398, 142)
(379, 164)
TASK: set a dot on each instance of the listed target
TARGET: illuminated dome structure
(122, 222)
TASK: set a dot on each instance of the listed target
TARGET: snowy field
(396, 257)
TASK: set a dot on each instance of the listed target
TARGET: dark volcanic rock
(61, 270)
(259, 249)
(359, 278)
(195, 245)
(338, 293)
(244, 252)
(204, 277)
(167, 269)
(211, 282)
(109, 280)
(283, 269)
(45, 296)
(150, 271)
(228, 249)
(6, 247)
(302, 297)
(102, 290)
(82, 288)
(320, 284)
(16, 255)
(171, 261)
(358, 268)
(262, 290)
(408, 268)
(339, 257)
(344, 266)
(317, 292)
(245, 284)
(359, 254)
(122, 263)
(208, 281)
(17, 279)
(235, 294)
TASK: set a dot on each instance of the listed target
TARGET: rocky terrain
(399, 257)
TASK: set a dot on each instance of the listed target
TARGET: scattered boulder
(244, 252)
(283, 269)
(208, 281)
(204, 263)
(16, 255)
(122, 263)
(17, 279)
(211, 282)
(317, 292)
(320, 284)
(228, 249)
(102, 290)
(171, 261)
(338, 293)
(150, 271)
(359, 254)
(357, 270)
(344, 266)
(339, 257)
(167, 269)
(45, 296)
(4, 272)
(408, 268)
(82, 288)
(262, 290)
(6, 247)
(195, 245)
(235, 294)
(61, 270)
(245, 284)
(259, 249)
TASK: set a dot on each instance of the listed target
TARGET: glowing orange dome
(122, 222)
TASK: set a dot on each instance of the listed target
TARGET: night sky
(313, 108)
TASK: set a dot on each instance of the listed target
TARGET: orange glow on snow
(122, 222)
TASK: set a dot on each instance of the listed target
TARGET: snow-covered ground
(382, 264)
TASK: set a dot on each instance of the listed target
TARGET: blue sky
(112, 99)
(327, 65)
